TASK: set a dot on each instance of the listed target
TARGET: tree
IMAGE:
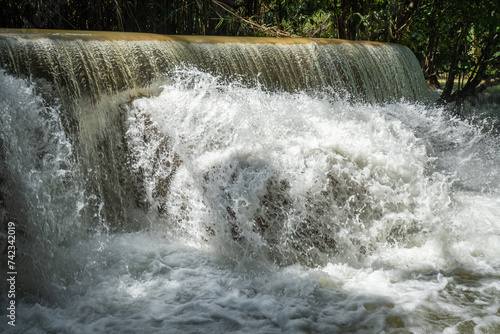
(475, 55)
(459, 40)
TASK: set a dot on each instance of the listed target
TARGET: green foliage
(460, 40)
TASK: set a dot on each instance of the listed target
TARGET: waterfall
(89, 72)
(224, 184)
(98, 63)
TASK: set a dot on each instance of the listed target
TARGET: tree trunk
(431, 48)
(479, 81)
(448, 88)
(343, 24)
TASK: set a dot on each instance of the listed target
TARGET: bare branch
(267, 30)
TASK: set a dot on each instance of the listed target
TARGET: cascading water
(167, 197)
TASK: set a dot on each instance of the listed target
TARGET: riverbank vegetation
(456, 40)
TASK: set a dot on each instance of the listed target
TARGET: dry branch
(266, 30)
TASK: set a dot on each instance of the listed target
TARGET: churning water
(150, 196)
(253, 212)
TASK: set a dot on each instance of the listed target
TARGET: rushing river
(257, 212)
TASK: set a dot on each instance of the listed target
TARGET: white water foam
(280, 212)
